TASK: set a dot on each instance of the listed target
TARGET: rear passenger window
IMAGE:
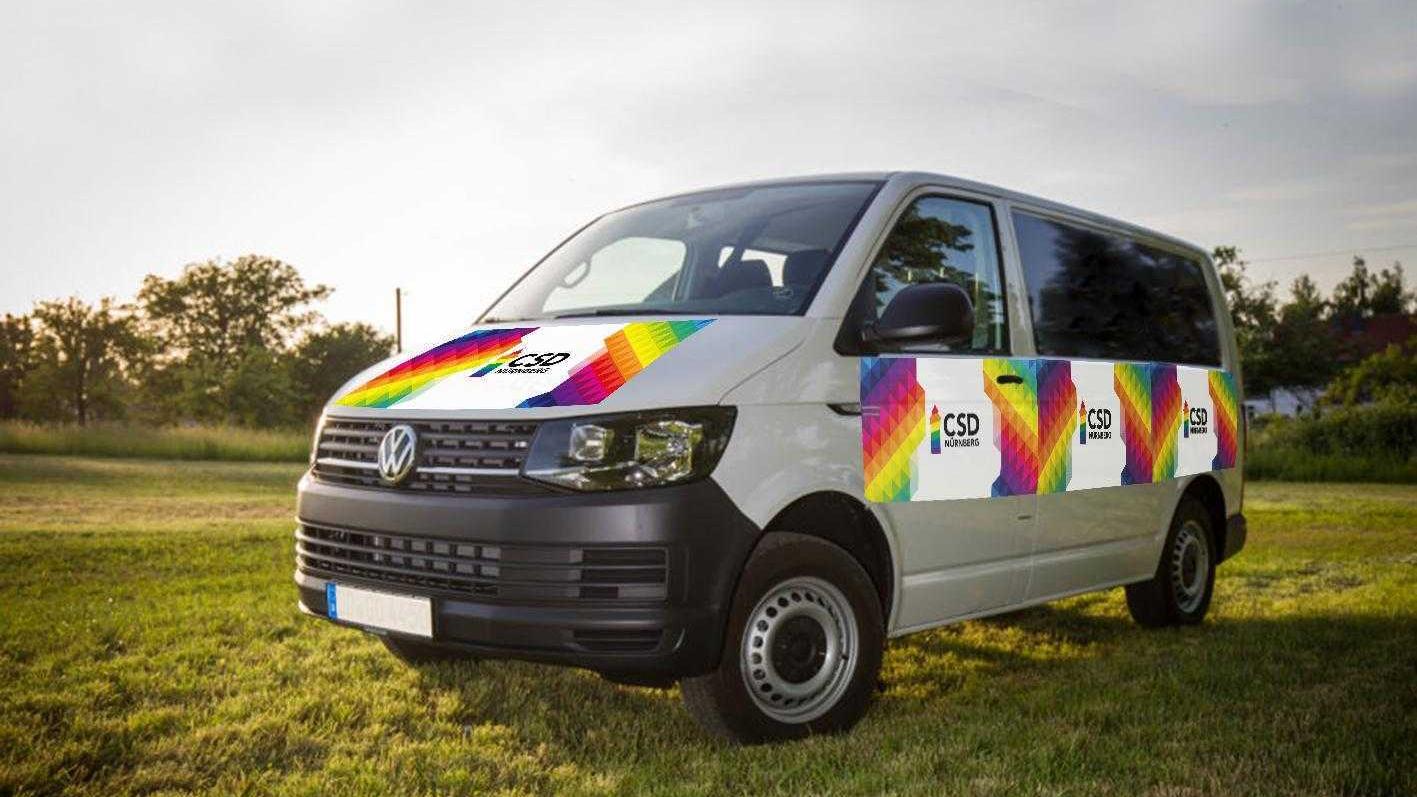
(1105, 296)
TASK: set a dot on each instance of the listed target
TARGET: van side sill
(1012, 607)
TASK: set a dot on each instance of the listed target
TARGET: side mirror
(940, 312)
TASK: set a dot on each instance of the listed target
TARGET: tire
(802, 650)
(414, 653)
(1180, 591)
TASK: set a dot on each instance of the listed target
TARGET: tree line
(224, 343)
(1305, 341)
(239, 343)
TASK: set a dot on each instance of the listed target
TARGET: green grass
(149, 643)
(147, 442)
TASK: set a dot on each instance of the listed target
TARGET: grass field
(227, 443)
(149, 643)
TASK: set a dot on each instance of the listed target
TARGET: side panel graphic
(1033, 426)
(524, 367)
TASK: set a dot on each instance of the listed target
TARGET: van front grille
(461, 457)
(523, 573)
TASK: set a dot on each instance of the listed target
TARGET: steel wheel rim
(1190, 566)
(774, 657)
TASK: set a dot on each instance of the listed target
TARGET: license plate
(406, 614)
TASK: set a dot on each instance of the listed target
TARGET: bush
(1371, 442)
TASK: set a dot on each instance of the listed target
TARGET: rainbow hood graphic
(416, 374)
(550, 366)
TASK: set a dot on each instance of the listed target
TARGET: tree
(16, 359)
(325, 359)
(1388, 375)
(83, 354)
(1254, 314)
(210, 320)
(1352, 297)
(1390, 294)
(1302, 349)
(260, 391)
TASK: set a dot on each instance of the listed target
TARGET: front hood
(571, 367)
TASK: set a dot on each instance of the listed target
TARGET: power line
(1356, 250)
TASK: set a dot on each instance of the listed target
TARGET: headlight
(620, 452)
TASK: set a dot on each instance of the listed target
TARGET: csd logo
(539, 360)
(959, 424)
(1197, 421)
(1093, 424)
(523, 363)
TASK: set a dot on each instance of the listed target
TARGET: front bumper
(668, 631)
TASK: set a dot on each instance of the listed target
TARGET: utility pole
(398, 320)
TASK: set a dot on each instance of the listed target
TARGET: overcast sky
(443, 147)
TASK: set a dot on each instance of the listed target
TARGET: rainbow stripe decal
(1225, 403)
(892, 426)
(1165, 421)
(627, 352)
(1057, 395)
(1015, 423)
(1133, 386)
(417, 374)
(1038, 426)
(1151, 420)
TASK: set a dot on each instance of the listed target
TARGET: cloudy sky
(443, 147)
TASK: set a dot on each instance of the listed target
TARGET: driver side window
(940, 239)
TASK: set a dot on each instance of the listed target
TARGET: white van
(739, 437)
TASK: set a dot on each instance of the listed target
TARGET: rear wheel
(412, 652)
(1180, 591)
(803, 649)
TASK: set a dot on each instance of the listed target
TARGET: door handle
(1009, 379)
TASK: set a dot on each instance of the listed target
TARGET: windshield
(742, 251)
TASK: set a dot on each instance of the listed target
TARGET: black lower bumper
(538, 601)
(1236, 532)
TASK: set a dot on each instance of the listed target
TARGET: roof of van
(932, 178)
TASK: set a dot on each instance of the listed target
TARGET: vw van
(738, 438)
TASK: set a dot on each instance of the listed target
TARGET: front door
(940, 422)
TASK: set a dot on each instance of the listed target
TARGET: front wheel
(803, 648)
(1180, 591)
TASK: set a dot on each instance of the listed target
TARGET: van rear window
(1101, 295)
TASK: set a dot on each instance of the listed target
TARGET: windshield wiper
(609, 311)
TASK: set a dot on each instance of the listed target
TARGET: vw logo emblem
(398, 452)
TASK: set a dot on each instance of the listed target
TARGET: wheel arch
(1205, 489)
(844, 521)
